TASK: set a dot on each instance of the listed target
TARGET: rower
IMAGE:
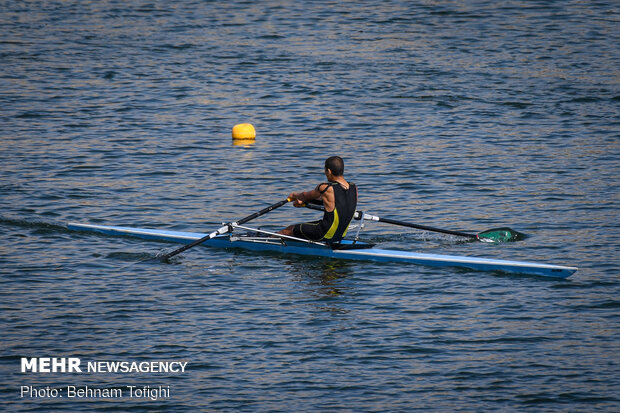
(339, 198)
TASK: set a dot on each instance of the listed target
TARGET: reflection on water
(243, 142)
(322, 282)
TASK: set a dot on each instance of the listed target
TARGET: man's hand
(298, 199)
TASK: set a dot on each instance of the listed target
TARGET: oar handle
(224, 229)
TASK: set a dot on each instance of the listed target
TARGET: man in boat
(339, 198)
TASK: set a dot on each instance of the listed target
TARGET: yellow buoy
(244, 131)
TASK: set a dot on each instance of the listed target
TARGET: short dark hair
(335, 164)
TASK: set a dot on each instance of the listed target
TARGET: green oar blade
(500, 235)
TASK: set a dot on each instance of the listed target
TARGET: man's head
(335, 164)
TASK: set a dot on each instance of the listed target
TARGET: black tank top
(336, 222)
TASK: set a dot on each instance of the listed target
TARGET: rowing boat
(259, 240)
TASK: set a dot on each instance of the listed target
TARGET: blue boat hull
(367, 254)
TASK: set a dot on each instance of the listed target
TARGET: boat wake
(38, 225)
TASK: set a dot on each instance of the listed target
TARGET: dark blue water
(461, 115)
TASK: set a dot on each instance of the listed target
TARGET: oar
(224, 229)
(492, 235)
(504, 234)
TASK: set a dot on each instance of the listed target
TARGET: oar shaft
(358, 215)
(224, 229)
(423, 227)
(214, 234)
